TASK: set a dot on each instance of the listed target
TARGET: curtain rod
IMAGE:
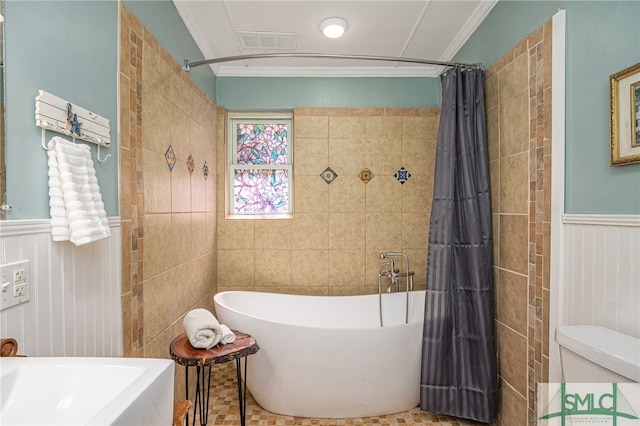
(189, 64)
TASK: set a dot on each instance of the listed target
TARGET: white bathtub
(86, 391)
(328, 357)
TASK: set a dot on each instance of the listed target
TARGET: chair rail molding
(37, 226)
(602, 219)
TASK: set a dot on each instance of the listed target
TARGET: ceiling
(422, 29)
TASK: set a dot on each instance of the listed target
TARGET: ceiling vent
(267, 40)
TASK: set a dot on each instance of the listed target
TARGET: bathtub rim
(116, 407)
(314, 327)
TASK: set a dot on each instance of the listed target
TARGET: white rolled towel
(227, 335)
(202, 328)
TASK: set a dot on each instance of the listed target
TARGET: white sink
(86, 391)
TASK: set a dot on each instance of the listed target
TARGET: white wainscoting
(75, 307)
(602, 271)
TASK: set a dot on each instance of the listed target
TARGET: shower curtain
(459, 374)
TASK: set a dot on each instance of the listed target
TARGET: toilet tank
(593, 354)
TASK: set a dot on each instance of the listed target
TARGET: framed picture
(625, 116)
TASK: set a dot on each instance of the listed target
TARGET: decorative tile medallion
(205, 170)
(366, 175)
(190, 164)
(402, 175)
(328, 175)
(170, 156)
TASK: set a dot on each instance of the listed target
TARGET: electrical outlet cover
(15, 284)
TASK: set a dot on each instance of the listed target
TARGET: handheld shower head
(386, 254)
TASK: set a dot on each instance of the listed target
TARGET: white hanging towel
(76, 207)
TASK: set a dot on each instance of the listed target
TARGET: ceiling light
(333, 27)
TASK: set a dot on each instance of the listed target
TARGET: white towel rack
(52, 113)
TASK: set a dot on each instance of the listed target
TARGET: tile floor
(223, 409)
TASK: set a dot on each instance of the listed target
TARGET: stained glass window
(261, 191)
(260, 167)
(261, 143)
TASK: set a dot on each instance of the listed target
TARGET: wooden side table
(184, 354)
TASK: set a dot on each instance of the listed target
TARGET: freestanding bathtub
(328, 356)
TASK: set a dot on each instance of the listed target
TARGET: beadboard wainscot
(74, 307)
(602, 271)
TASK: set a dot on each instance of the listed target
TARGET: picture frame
(625, 116)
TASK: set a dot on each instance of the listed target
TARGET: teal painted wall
(161, 18)
(67, 48)
(603, 37)
(241, 93)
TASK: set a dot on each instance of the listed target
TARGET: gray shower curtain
(459, 375)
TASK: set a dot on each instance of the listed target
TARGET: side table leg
(242, 389)
(186, 392)
(203, 421)
(201, 403)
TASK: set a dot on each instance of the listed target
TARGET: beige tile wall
(332, 245)
(518, 109)
(168, 217)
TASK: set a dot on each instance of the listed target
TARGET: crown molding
(472, 24)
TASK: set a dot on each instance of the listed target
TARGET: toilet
(592, 354)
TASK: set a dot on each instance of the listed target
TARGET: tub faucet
(394, 274)
(388, 269)
(394, 285)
